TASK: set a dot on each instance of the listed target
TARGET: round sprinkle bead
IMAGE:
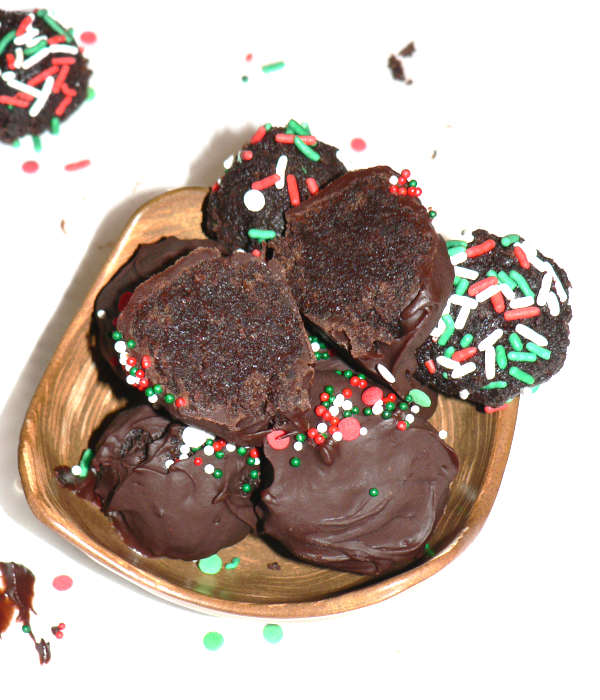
(373, 492)
(295, 462)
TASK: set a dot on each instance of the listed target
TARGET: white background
(505, 92)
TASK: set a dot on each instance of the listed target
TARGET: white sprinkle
(490, 362)
(10, 79)
(228, 162)
(282, 162)
(487, 293)
(410, 418)
(209, 469)
(463, 301)
(443, 434)
(120, 346)
(462, 318)
(542, 297)
(363, 431)
(184, 449)
(123, 357)
(131, 379)
(42, 53)
(385, 373)
(315, 347)
(256, 461)
(101, 313)
(393, 180)
(334, 410)
(230, 447)
(466, 273)
(521, 302)
(337, 436)
(239, 250)
(464, 394)
(298, 446)
(377, 408)
(507, 291)
(195, 437)
(209, 450)
(447, 362)
(169, 463)
(438, 330)
(463, 370)
(45, 93)
(560, 290)
(530, 334)
(254, 200)
(322, 427)
(19, 58)
(458, 258)
(347, 405)
(415, 409)
(490, 339)
(76, 470)
(153, 398)
(553, 305)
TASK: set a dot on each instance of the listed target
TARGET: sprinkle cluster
(402, 186)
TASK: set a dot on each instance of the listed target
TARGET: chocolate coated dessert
(219, 342)
(276, 170)
(505, 328)
(367, 270)
(363, 488)
(173, 490)
(147, 260)
(43, 75)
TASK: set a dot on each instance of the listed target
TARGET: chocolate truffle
(219, 342)
(505, 328)
(367, 270)
(364, 487)
(276, 170)
(147, 260)
(173, 490)
(43, 75)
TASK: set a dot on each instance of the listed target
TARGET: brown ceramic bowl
(70, 402)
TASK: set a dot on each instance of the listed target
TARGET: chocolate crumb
(433, 155)
(396, 68)
(274, 566)
(408, 50)
(62, 225)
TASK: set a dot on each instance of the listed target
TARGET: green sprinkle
(514, 356)
(447, 334)
(449, 351)
(117, 335)
(34, 49)
(500, 384)
(91, 93)
(250, 461)
(37, 143)
(521, 376)
(521, 283)
(390, 406)
(26, 629)
(295, 462)
(534, 389)
(157, 388)
(445, 374)
(453, 243)
(466, 340)
(462, 286)
(501, 357)
(132, 371)
(412, 183)
(368, 411)
(385, 415)
(219, 454)
(432, 214)
(233, 564)
(355, 410)
(53, 24)
(272, 633)
(301, 437)
(361, 376)
(209, 441)
(515, 342)
(86, 458)
(306, 150)
(455, 251)
(509, 240)
(261, 234)
(404, 406)
(419, 397)
(373, 492)
(241, 450)
(210, 565)
(298, 129)
(505, 279)
(270, 67)
(6, 39)
(213, 641)
(217, 474)
(428, 551)
(544, 353)
(347, 414)
(268, 126)
(491, 273)
(246, 488)
(169, 398)
(244, 78)
(348, 373)
(16, 143)
(254, 474)
(149, 391)
(131, 344)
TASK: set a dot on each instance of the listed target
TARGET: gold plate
(70, 402)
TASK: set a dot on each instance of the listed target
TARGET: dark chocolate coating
(483, 320)
(368, 271)
(226, 217)
(147, 260)
(17, 122)
(322, 510)
(224, 335)
(177, 511)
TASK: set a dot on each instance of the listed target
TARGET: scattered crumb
(274, 566)
(408, 50)
(396, 68)
(433, 155)
(409, 82)
(62, 225)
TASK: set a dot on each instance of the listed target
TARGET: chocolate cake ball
(172, 490)
(276, 170)
(147, 260)
(505, 328)
(363, 488)
(367, 270)
(219, 342)
(43, 75)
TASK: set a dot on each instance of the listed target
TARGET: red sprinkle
(140, 374)
(60, 79)
(179, 402)
(143, 383)
(465, 354)
(23, 96)
(401, 425)
(289, 138)
(320, 410)
(88, 37)
(64, 103)
(25, 22)
(430, 366)
(256, 253)
(319, 439)
(393, 189)
(265, 182)
(312, 433)
(312, 186)
(146, 361)
(123, 300)
(253, 451)
(347, 393)
(521, 257)
(498, 302)
(63, 61)
(57, 39)
(371, 395)
(358, 144)
(477, 287)
(10, 61)
(405, 174)
(247, 155)
(324, 396)
(79, 164)
(292, 187)
(40, 77)
(62, 583)
(215, 187)
(476, 250)
(30, 166)
(391, 398)
(492, 409)
(516, 314)
(8, 100)
(197, 461)
(248, 56)
(349, 428)
(259, 135)
(354, 380)
(362, 384)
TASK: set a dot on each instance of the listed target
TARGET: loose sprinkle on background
(210, 565)
(30, 166)
(62, 583)
(358, 144)
(272, 633)
(78, 165)
(213, 641)
(88, 37)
